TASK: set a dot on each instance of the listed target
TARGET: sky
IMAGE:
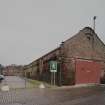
(32, 28)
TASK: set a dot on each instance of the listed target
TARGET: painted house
(81, 60)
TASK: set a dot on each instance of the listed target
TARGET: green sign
(53, 66)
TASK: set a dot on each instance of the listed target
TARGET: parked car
(1, 77)
(102, 79)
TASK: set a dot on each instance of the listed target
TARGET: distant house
(13, 70)
(81, 60)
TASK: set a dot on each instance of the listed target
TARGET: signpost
(53, 70)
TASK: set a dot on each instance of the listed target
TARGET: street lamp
(61, 63)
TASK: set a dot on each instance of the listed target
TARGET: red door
(87, 72)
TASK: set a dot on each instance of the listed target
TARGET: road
(56, 96)
(14, 82)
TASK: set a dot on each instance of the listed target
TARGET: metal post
(54, 78)
(60, 75)
(25, 83)
(51, 78)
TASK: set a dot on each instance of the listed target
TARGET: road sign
(53, 66)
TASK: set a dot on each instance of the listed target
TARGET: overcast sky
(31, 28)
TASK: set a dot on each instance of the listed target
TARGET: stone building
(81, 60)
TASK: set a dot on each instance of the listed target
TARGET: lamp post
(61, 63)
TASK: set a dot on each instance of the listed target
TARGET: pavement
(56, 96)
(80, 96)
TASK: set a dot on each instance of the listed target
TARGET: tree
(1, 69)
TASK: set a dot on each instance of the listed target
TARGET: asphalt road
(14, 82)
(58, 96)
